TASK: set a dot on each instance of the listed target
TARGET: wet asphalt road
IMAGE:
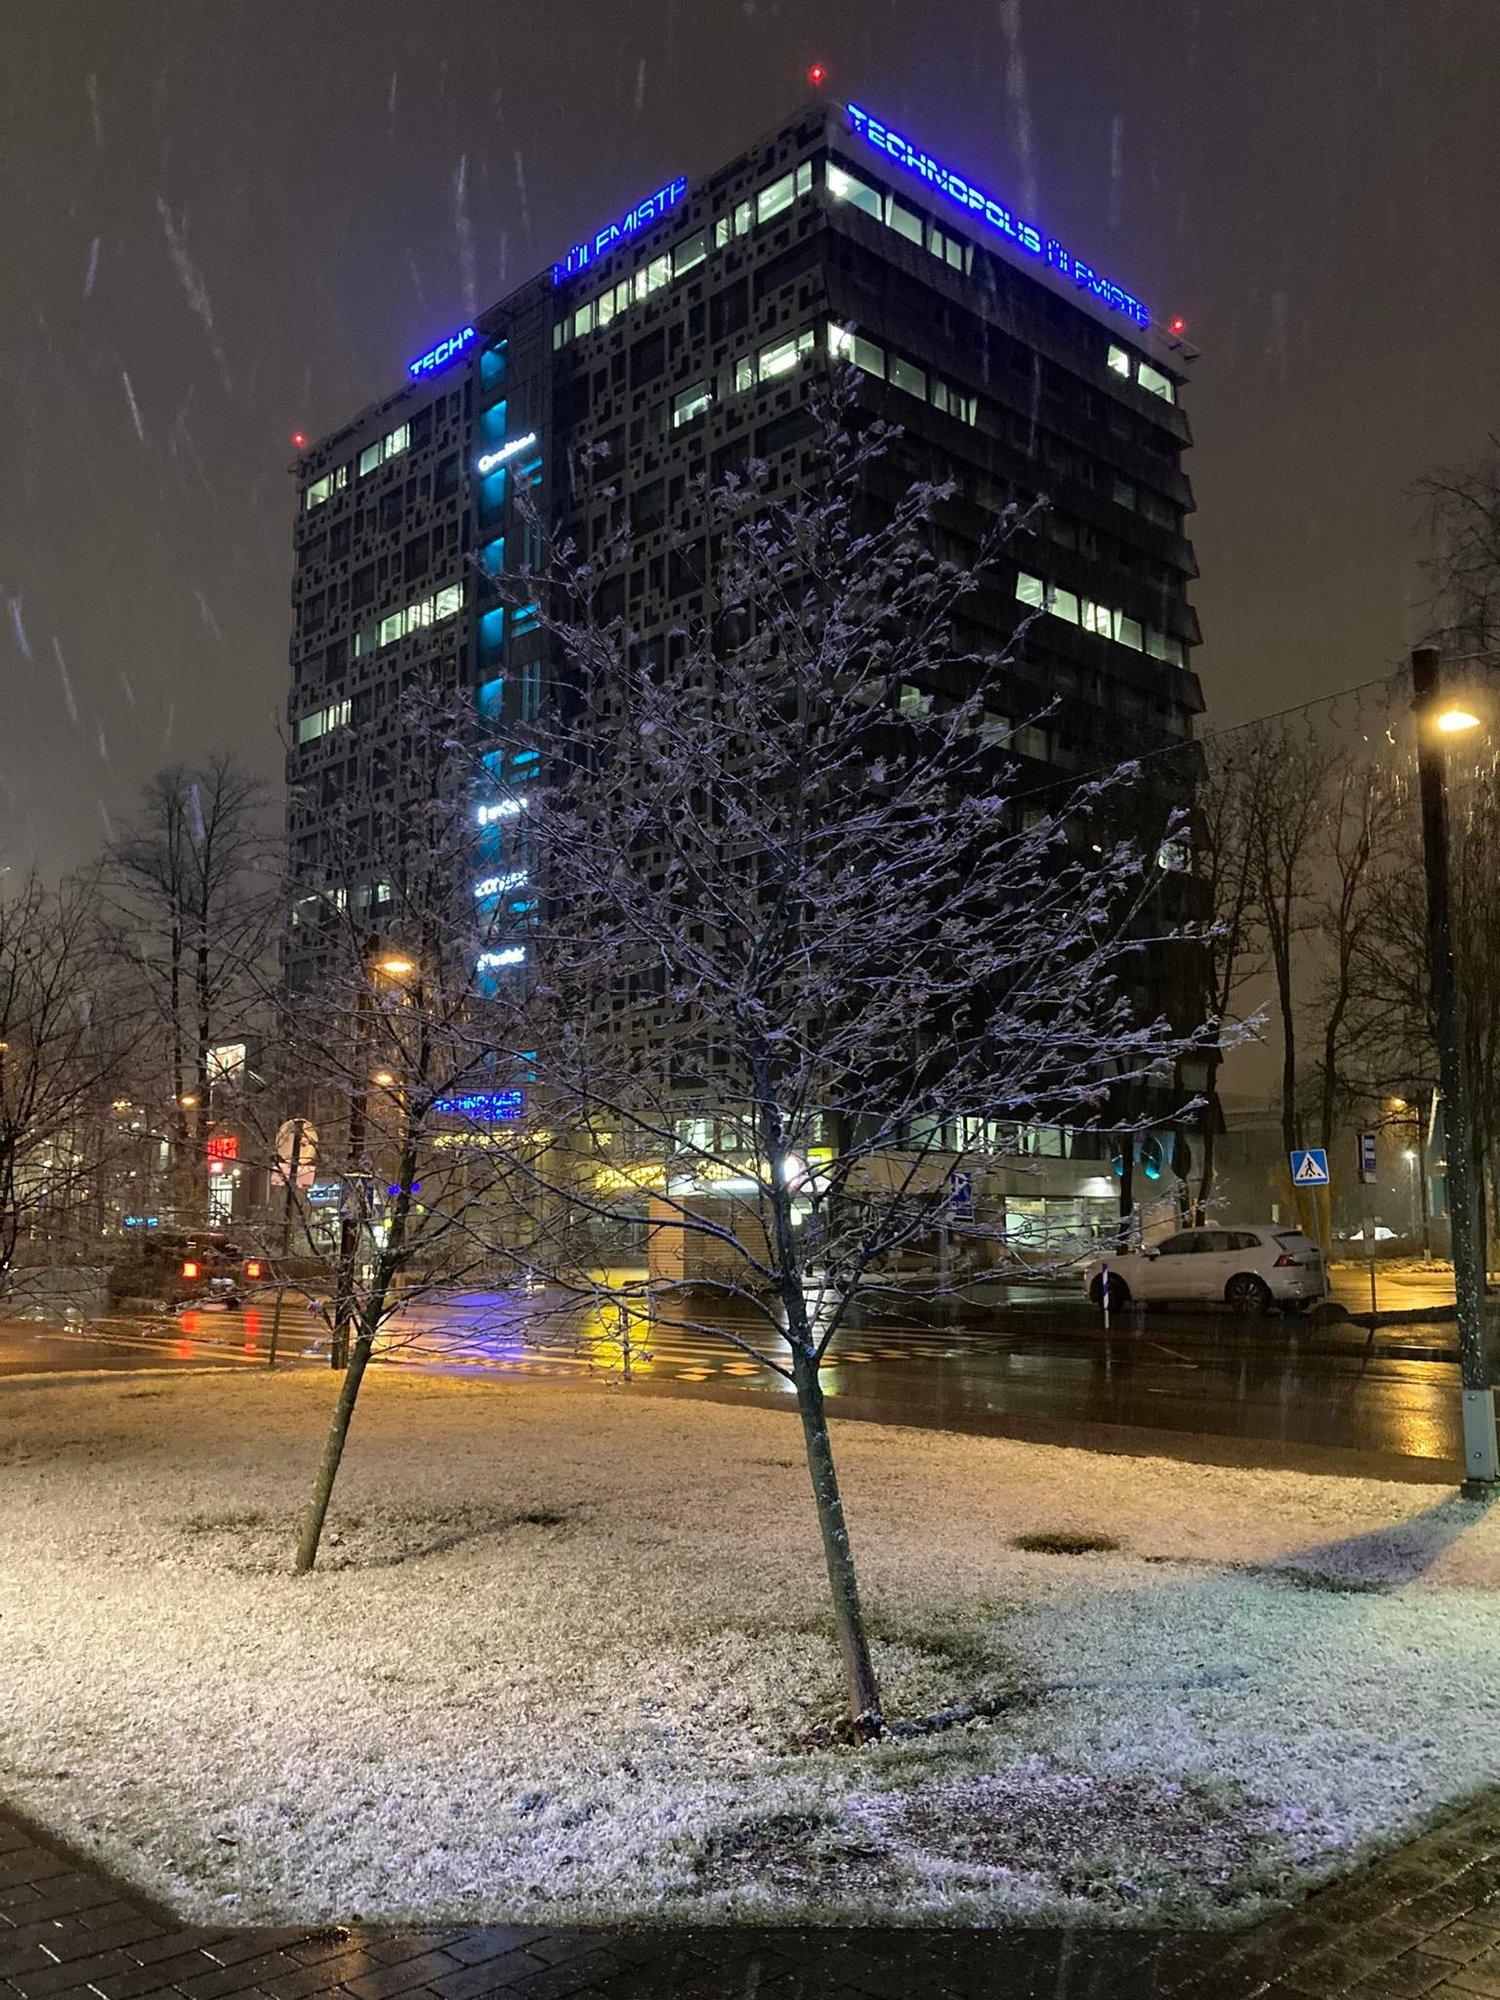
(1216, 1390)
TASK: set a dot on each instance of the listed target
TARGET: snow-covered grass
(567, 1656)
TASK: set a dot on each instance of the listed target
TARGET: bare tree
(392, 1051)
(193, 915)
(1390, 1037)
(1288, 770)
(1363, 824)
(1461, 504)
(807, 955)
(1230, 797)
(64, 1040)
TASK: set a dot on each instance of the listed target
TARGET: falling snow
(135, 411)
(66, 679)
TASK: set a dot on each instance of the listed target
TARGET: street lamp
(396, 966)
(1434, 722)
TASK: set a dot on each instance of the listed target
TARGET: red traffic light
(191, 1270)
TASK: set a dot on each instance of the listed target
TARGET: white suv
(1250, 1269)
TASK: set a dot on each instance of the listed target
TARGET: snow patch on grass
(566, 1655)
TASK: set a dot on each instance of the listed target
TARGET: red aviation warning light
(299, 439)
(1177, 328)
(817, 76)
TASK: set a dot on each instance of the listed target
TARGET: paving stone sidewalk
(1425, 1921)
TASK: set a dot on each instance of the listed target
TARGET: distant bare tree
(1365, 826)
(192, 915)
(1287, 771)
(1390, 1037)
(64, 1041)
(1461, 504)
(1230, 797)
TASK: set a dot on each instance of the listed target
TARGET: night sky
(220, 223)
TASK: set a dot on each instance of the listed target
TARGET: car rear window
(1293, 1239)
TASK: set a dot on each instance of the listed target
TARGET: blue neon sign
(640, 217)
(439, 356)
(1024, 235)
(491, 1107)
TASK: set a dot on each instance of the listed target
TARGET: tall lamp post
(1435, 723)
(354, 1208)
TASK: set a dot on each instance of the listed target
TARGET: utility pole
(1481, 1457)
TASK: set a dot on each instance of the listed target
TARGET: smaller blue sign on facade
(1024, 235)
(489, 1107)
(641, 216)
(439, 356)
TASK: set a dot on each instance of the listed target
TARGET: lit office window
(335, 716)
(1107, 621)
(773, 199)
(908, 376)
(844, 186)
(779, 358)
(323, 489)
(690, 253)
(1159, 384)
(691, 403)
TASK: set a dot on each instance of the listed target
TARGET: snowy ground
(567, 1657)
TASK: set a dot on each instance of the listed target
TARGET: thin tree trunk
(390, 1262)
(860, 1685)
(333, 1451)
(1210, 1131)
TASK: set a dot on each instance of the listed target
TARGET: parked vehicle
(179, 1268)
(1250, 1267)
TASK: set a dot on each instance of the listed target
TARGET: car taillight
(1284, 1262)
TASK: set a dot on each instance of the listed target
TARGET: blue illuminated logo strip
(439, 356)
(652, 209)
(1024, 235)
(489, 1107)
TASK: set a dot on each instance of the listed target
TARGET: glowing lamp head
(1456, 721)
(191, 1270)
(384, 1077)
(254, 1268)
(1177, 327)
(817, 76)
(396, 966)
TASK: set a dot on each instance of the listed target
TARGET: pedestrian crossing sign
(1310, 1167)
